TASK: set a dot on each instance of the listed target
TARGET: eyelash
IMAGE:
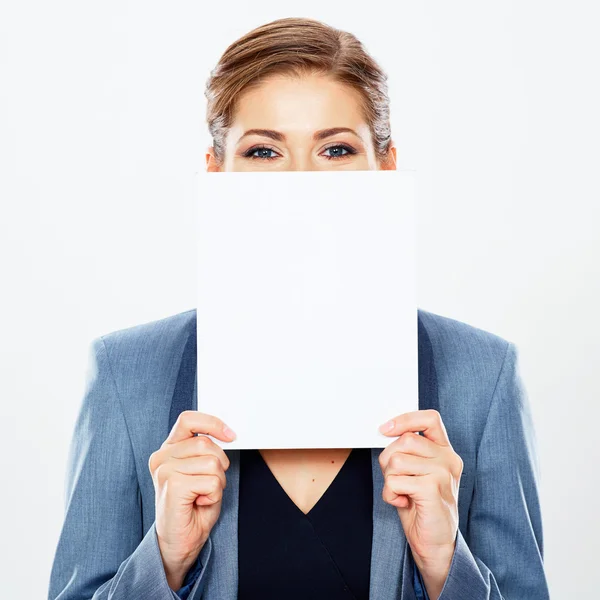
(250, 151)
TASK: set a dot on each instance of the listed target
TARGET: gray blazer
(141, 378)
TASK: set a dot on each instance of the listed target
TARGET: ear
(212, 165)
(389, 164)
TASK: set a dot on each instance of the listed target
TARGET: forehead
(301, 105)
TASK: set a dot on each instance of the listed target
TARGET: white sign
(307, 311)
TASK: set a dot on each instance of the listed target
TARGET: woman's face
(295, 124)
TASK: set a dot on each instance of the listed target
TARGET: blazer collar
(389, 559)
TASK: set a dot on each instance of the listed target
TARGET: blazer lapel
(222, 577)
(222, 574)
(391, 578)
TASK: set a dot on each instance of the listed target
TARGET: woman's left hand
(422, 475)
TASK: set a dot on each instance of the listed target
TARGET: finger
(410, 443)
(407, 464)
(428, 421)
(199, 465)
(169, 471)
(400, 501)
(197, 445)
(189, 487)
(190, 422)
(418, 487)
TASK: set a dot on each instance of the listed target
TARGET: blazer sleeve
(102, 552)
(501, 556)
(420, 589)
(190, 579)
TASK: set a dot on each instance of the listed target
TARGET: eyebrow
(318, 135)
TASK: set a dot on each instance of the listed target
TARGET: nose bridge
(301, 159)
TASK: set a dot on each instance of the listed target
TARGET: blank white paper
(306, 311)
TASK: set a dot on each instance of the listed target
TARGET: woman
(155, 509)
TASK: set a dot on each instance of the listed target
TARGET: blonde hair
(297, 46)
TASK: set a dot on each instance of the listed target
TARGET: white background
(102, 129)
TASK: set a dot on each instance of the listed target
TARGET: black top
(283, 553)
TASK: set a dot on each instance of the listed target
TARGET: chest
(305, 474)
(323, 552)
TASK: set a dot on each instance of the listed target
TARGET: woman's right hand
(188, 472)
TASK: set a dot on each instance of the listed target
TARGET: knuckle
(214, 464)
(181, 418)
(396, 461)
(161, 474)
(227, 461)
(388, 494)
(209, 421)
(436, 414)
(460, 464)
(388, 487)
(407, 441)
(216, 484)
(217, 493)
(184, 419)
(152, 461)
(202, 443)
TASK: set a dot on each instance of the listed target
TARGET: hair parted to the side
(297, 46)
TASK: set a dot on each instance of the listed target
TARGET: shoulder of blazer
(439, 326)
(459, 348)
(152, 347)
(169, 334)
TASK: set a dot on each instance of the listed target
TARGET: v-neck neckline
(319, 502)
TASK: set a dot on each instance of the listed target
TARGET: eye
(263, 152)
(339, 151)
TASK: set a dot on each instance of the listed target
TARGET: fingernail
(229, 432)
(387, 426)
